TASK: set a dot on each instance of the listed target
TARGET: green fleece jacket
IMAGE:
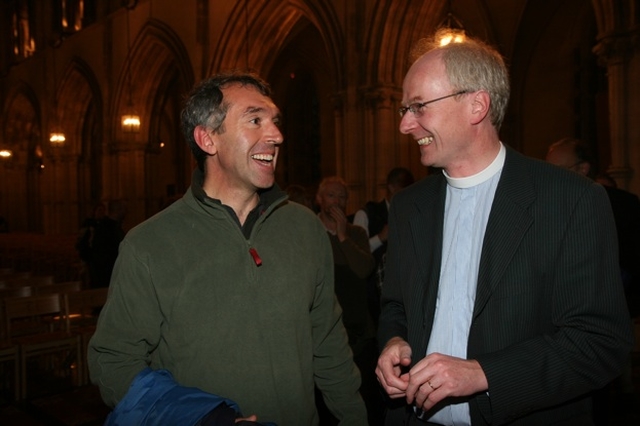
(261, 329)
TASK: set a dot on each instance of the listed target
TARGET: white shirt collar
(482, 176)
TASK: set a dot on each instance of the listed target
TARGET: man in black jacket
(502, 301)
(374, 218)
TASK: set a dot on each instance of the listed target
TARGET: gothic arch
(273, 25)
(396, 26)
(19, 177)
(22, 129)
(555, 79)
(157, 56)
(81, 117)
(161, 73)
(79, 95)
(300, 55)
(389, 38)
(615, 16)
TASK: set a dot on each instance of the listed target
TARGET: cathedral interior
(72, 71)
(91, 93)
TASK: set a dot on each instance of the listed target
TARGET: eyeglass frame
(415, 107)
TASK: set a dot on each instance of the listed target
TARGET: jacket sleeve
(356, 249)
(335, 373)
(128, 329)
(155, 398)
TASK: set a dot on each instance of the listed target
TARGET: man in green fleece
(231, 287)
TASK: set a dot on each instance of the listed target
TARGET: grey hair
(472, 65)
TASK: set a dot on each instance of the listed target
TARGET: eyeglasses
(416, 108)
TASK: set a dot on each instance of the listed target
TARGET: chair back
(33, 313)
(20, 291)
(59, 288)
(80, 306)
(7, 279)
(15, 275)
(29, 280)
(6, 271)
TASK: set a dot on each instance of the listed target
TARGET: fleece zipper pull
(255, 255)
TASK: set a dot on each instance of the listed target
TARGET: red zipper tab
(256, 256)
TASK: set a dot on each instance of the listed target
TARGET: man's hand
(438, 376)
(384, 233)
(395, 355)
(251, 418)
(341, 222)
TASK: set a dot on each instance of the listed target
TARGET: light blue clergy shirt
(467, 207)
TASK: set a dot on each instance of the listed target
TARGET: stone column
(60, 191)
(617, 50)
(614, 53)
(381, 102)
(124, 177)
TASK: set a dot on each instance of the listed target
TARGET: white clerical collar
(483, 176)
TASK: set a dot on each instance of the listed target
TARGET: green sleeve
(128, 329)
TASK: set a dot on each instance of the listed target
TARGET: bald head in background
(571, 154)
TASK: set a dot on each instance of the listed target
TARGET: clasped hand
(432, 379)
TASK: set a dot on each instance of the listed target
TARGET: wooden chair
(6, 271)
(45, 344)
(30, 280)
(19, 291)
(58, 288)
(10, 354)
(9, 280)
(15, 275)
(80, 309)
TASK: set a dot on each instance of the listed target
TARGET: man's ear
(584, 168)
(205, 139)
(480, 106)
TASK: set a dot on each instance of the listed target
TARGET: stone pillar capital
(128, 144)
(382, 97)
(616, 47)
(337, 100)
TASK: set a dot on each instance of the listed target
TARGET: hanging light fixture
(450, 29)
(56, 137)
(130, 120)
(246, 33)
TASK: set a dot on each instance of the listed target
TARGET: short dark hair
(400, 177)
(580, 149)
(205, 106)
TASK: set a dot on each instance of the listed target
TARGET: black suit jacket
(626, 212)
(549, 322)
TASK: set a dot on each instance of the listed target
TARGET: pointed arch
(22, 128)
(273, 25)
(81, 112)
(19, 179)
(156, 55)
(79, 95)
(161, 73)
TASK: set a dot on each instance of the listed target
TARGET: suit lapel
(426, 230)
(508, 222)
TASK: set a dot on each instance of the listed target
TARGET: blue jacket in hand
(155, 398)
